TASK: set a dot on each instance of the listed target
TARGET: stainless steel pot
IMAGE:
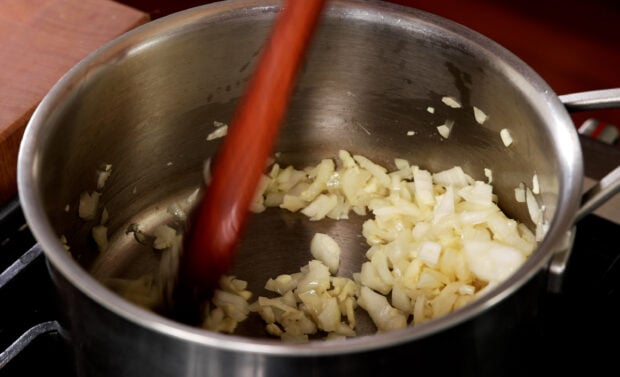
(145, 102)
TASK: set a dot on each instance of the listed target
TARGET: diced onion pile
(435, 239)
(436, 242)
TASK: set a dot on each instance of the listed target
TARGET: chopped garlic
(410, 133)
(430, 109)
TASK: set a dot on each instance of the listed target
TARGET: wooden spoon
(220, 217)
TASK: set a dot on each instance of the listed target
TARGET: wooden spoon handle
(241, 159)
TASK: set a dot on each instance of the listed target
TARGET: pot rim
(547, 104)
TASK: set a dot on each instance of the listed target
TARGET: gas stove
(574, 327)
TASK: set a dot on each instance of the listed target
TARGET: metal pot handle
(592, 100)
(596, 196)
(610, 184)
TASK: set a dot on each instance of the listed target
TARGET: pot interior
(146, 103)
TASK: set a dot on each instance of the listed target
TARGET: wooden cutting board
(40, 40)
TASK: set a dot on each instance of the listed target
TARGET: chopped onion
(532, 206)
(220, 131)
(445, 205)
(445, 129)
(541, 230)
(506, 137)
(384, 315)
(452, 177)
(282, 284)
(138, 234)
(310, 300)
(379, 172)
(105, 216)
(164, 237)
(326, 249)
(437, 241)
(320, 207)
(450, 101)
(423, 184)
(322, 173)
(492, 261)
(235, 306)
(489, 174)
(206, 171)
(64, 242)
(89, 202)
(520, 193)
(100, 235)
(480, 116)
(535, 184)
(417, 236)
(103, 175)
(479, 193)
(429, 252)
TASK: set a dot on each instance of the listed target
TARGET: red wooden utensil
(221, 216)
